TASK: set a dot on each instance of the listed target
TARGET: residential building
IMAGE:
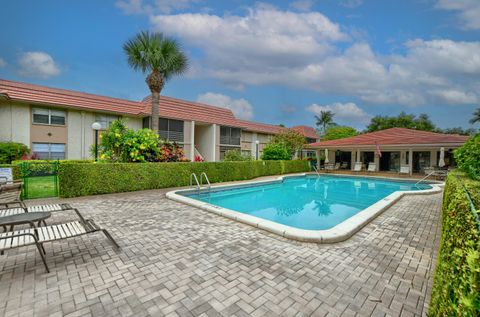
(56, 123)
(392, 148)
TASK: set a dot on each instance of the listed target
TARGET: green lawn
(40, 187)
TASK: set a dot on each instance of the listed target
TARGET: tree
(325, 119)
(403, 120)
(339, 132)
(458, 130)
(161, 57)
(275, 151)
(291, 139)
(476, 116)
(10, 151)
(467, 157)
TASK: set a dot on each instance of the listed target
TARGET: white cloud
(351, 3)
(344, 113)
(152, 6)
(37, 64)
(241, 108)
(302, 5)
(2, 63)
(270, 46)
(468, 11)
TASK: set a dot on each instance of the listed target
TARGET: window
(48, 116)
(171, 130)
(105, 120)
(49, 151)
(230, 136)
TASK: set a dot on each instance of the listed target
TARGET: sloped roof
(186, 110)
(260, 127)
(306, 131)
(394, 136)
(62, 97)
(169, 107)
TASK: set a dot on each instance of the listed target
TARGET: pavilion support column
(358, 156)
(352, 159)
(410, 160)
(318, 153)
(433, 158)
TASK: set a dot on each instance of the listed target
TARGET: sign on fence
(6, 175)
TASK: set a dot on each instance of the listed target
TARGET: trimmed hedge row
(456, 289)
(103, 178)
(51, 161)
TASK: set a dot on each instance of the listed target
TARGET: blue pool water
(313, 203)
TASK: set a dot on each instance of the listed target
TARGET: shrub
(11, 151)
(456, 289)
(91, 179)
(121, 144)
(275, 151)
(236, 155)
(467, 157)
(292, 140)
(171, 152)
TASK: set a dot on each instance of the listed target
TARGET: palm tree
(325, 119)
(161, 57)
(476, 116)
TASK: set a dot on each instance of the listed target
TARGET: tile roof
(260, 127)
(394, 136)
(186, 110)
(306, 131)
(61, 97)
(169, 107)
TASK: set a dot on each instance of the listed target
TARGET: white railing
(206, 179)
(425, 177)
(193, 177)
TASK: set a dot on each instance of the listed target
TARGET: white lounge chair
(372, 167)
(357, 167)
(337, 166)
(404, 170)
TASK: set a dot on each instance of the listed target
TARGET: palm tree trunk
(155, 82)
(155, 111)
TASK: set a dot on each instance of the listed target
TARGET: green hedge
(103, 178)
(456, 289)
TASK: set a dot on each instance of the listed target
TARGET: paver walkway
(177, 260)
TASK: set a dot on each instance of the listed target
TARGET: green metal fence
(40, 180)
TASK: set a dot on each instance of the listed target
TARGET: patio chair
(337, 166)
(405, 170)
(372, 167)
(357, 167)
(38, 208)
(10, 195)
(40, 235)
(344, 165)
(329, 167)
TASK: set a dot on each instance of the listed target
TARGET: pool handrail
(193, 176)
(206, 179)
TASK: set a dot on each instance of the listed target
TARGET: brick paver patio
(177, 260)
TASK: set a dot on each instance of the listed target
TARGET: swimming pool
(305, 205)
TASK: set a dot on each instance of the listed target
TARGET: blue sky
(274, 62)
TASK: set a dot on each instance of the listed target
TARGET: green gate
(40, 180)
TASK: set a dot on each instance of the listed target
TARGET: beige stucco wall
(187, 139)
(205, 141)
(15, 122)
(134, 122)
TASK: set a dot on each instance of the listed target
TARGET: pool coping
(340, 232)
